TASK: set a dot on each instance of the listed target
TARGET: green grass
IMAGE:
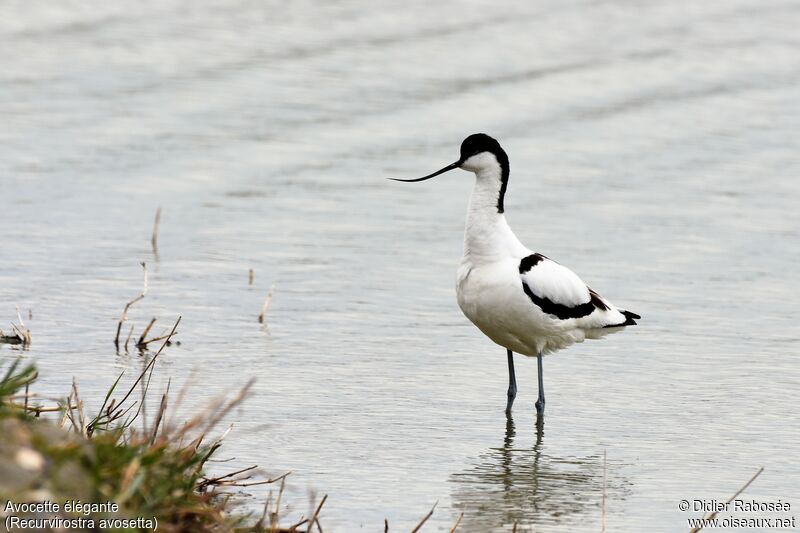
(150, 472)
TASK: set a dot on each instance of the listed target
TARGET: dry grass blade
(140, 343)
(74, 409)
(144, 344)
(264, 307)
(128, 305)
(458, 521)
(313, 520)
(274, 518)
(128, 339)
(38, 409)
(603, 505)
(260, 524)
(19, 317)
(294, 526)
(162, 408)
(116, 410)
(425, 518)
(146, 383)
(20, 333)
(741, 490)
(514, 529)
(230, 480)
(250, 276)
(222, 480)
(154, 238)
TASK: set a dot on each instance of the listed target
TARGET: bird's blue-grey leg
(540, 401)
(512, 382)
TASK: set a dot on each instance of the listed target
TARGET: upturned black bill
(429, 176)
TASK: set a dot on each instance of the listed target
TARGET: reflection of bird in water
(531, 487)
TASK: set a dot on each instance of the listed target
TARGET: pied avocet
(523, 301)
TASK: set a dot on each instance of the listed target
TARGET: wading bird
(523, 301)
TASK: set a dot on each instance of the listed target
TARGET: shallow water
(653, 149)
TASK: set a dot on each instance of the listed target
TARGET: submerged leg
(512, 382)
(540, 401)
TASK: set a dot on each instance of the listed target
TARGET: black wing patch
(597, 301)
(529, 262)
(630, 318)
(558, 310)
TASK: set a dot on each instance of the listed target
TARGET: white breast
(492, 298)
(492, 290)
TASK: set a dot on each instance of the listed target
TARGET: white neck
(487, 236)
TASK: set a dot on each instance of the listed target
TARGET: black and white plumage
(522, 300)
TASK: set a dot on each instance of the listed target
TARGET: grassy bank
(60, 467)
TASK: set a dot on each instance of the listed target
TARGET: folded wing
(562, 295)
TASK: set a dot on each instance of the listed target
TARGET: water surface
(653, 150)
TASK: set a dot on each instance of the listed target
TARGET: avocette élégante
(523, 301)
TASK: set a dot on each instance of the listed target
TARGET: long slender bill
(429, 176)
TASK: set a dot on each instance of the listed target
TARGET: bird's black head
(478, 143)
(482, 155)
(476, 155)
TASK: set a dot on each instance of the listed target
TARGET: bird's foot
(511, 394)
(540, 406)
